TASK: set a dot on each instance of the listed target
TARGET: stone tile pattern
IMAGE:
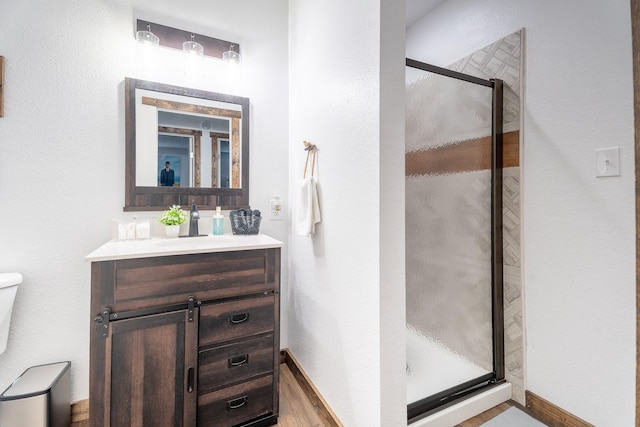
(513, 328)
(502, 60)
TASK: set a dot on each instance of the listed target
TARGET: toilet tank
(8, 287)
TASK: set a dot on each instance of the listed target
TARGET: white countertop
(127, 249)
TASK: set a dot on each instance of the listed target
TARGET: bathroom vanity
(185, 332)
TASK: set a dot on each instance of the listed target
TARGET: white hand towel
(308, 214)
(315, 205)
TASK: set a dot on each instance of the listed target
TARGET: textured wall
(578, 231)
(347, 298)
(62, 145)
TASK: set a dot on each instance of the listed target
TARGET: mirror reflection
(183, 145)
(195, 139)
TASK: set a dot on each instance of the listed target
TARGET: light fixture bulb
(231, 56)
(147, 37)
(193, 47)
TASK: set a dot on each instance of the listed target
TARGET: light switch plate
(608, 162)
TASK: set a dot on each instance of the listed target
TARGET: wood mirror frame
(148, 198)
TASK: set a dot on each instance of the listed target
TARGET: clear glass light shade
(147, 37)
(192, 47)
(231, 56)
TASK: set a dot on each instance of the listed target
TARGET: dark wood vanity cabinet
(185, 340)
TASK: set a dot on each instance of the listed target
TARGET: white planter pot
(172, 230)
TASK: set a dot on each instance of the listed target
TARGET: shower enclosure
(455, 346)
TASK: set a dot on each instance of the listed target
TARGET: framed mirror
(184, 145)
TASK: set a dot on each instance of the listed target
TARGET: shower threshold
(465, 407)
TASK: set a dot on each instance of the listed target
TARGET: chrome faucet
(194, 216)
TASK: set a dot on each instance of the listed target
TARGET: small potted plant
(172, 220)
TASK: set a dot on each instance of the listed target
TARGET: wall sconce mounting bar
(173, 38)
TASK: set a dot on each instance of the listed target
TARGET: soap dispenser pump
(218, 223)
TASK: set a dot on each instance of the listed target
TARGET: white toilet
(8, 287)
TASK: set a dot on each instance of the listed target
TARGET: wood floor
(297, 411)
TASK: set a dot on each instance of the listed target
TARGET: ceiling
(416, 9)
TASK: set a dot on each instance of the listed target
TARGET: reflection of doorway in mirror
(176, 149)
(176, 139)
(175, 162)
(224, 177)
(187, 119)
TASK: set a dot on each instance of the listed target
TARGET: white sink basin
(200, 242)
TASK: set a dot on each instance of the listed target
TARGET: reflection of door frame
(234, 150)
(215, 161)
(431, 404)
(197, 136)
(234, 155)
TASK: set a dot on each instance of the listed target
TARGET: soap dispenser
(218, 223)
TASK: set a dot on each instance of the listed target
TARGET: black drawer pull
(238, 360)
(190, 378)
(238, 318)
(236, 403)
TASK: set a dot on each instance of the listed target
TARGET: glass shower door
(453, 276)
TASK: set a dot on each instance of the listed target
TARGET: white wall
(578, 231)
(62, 145)
(393, 386)
(346, 314)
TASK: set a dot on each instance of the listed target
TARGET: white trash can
(40, 397)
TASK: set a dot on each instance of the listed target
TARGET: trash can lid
(35, 381)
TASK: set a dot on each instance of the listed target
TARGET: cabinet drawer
(236, 319)
(233, 363)
(141, 283)
(233, 405)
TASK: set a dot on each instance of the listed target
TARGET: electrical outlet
(275, 205)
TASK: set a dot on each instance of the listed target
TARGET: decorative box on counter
(245, 221)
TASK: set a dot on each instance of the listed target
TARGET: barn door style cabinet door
(185, 340)
(152, 360)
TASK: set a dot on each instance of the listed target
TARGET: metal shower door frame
(451, 396)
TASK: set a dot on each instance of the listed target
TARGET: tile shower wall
(513, 328)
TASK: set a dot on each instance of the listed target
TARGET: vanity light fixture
(231, 56)
(193, 47)
(186, 40)
(147, 37)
